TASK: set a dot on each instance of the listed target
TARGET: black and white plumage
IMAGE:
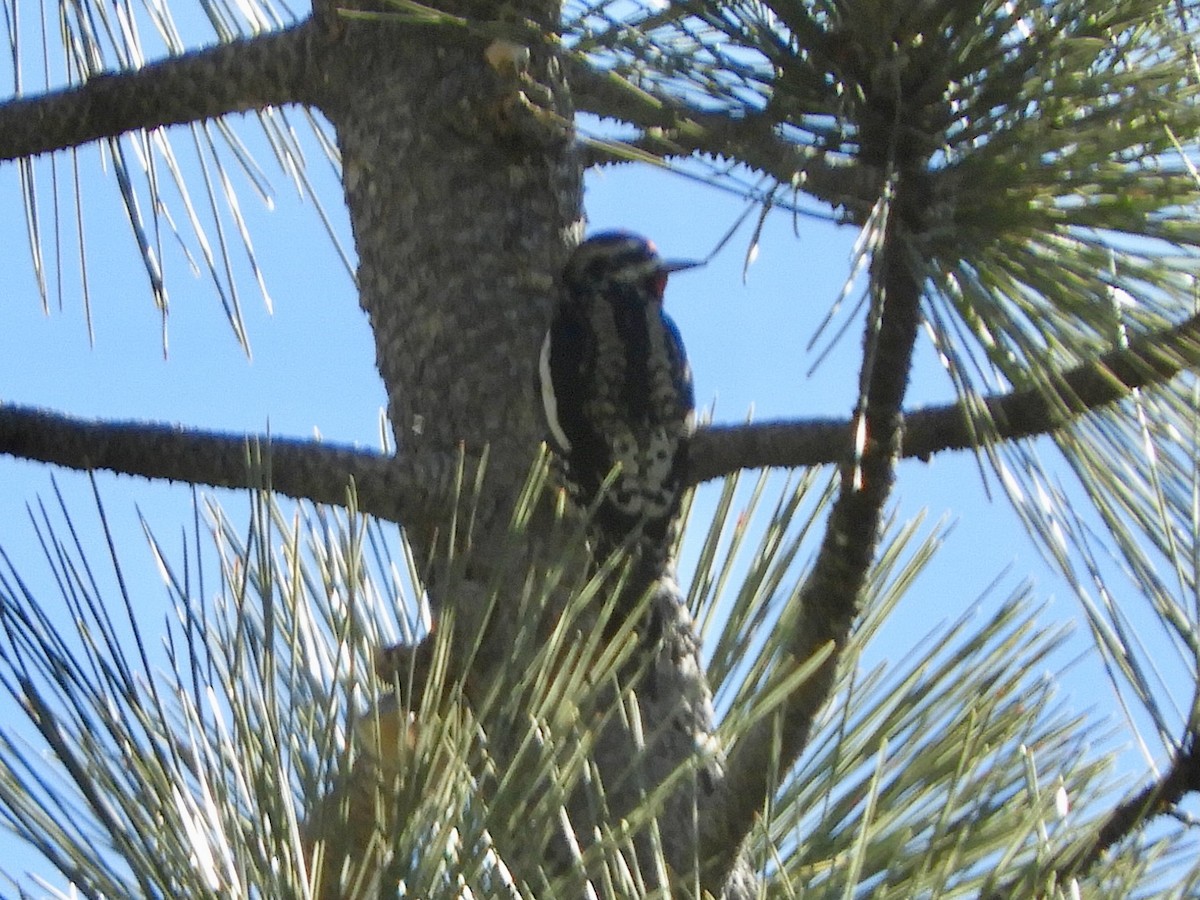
(617, 390)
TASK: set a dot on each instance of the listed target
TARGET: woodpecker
(617, 390)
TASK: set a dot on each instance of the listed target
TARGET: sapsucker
(617, 391)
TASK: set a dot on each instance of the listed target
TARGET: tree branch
(829, 600)
(320, 472)
(677, 129)
(1151, 359)
(385, 486)
(265, 70)
(1156, 799)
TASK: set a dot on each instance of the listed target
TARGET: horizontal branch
(719, 450)
(1150, 359)
(677, 129)
(320, 472)
(304, 469)
(266, 70)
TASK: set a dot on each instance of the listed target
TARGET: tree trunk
(464, 192)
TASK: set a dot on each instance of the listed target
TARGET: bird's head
(617, 258)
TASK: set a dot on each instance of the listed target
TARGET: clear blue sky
(313, 365)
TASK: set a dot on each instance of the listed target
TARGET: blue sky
(313, 367)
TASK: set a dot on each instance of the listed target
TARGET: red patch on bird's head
(658, 284)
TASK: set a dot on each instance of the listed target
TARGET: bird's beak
(678, 265)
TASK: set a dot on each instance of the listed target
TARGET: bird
(617, 392)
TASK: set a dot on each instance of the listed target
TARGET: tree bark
(464, 191)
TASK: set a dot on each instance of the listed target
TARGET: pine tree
(1022, 179)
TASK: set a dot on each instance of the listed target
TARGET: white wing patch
(549, 401)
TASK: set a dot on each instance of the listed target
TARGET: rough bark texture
(463, 185)
(459, 227)
(266, 70)
(464, 193)
(831, 597)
